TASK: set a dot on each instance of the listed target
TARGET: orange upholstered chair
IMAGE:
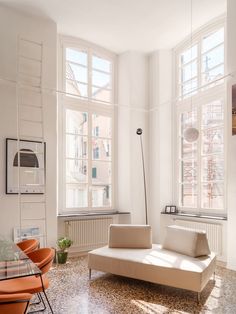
(28, 245)
(32, 284)
(14, 303)
(43, 258)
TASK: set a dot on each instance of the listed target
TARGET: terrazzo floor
(71, 292)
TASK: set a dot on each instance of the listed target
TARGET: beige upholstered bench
(183, 261)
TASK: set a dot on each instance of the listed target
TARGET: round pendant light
(191, 135)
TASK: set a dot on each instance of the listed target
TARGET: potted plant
(63, 244)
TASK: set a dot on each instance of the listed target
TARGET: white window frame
(90, 49)
(203, 96)
(90, 106)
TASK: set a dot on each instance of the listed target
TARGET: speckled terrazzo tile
(71, 292)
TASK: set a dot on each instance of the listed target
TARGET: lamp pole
(139, 132)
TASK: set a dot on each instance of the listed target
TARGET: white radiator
(213, 231)
(88, 234)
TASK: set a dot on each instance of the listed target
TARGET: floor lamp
(139, 132)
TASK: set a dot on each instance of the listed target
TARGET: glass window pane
(76, 196)
(101, 64)
(213, 168)
(213, 58)
(188, 171)
(101, 172)
(189, 88)
(189, 71)
(101, 126)
(76, 146)
(188, 150)
(76, 89)
(212, 141)
(101, 94)
(213, 75)
(101, 79)
(213, 195)
(76, 122)
(76, 56)
(76, 171)
(101, 149)
(188, 195)
(212, 114)
(188, 55)
(101, 196)
(76, 73)
(211, 41)
(188, 119)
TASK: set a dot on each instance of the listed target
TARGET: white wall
(160, 140)
(132, 114)
(231, 58)
(12, 25)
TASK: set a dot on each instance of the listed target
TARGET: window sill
(78, 215)
(205, 216)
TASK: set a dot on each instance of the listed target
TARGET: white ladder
(31, 133)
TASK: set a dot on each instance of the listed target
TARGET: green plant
(64, 243)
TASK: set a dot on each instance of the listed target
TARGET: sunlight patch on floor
(153, 308)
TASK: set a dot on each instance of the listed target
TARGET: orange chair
(32, 284)
(14, 303)
(42, 258)
(29, 245)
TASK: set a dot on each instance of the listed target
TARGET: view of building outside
(88, 138)
(78, 175)
(201, 166)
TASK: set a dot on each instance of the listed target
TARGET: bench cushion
(130, 236)
(155, 265)
(186, 241)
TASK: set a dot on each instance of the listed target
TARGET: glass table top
(14, 263)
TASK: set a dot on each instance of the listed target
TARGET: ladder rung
(31, 137)
(32, 121)
(29, 58)
(32, 202)
(34, 106)
(31, 41)
(33, 219)
(25, 84)
(30, 75)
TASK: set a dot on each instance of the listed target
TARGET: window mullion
(89, 160)
(199, 156)
(90, 74)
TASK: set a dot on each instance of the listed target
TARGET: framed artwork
(171, 209)
(168, 209)
(30, 174)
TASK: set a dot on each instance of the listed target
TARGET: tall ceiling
(122, 25)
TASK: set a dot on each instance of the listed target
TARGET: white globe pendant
(191, 134)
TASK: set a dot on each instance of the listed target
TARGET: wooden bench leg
(90, 273)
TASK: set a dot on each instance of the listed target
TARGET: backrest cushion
(186, 241)
(130, 236)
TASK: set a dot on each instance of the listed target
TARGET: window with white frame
(89, 75)
(201, 63)
(200, 104)
(88, 125)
